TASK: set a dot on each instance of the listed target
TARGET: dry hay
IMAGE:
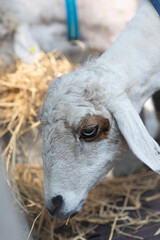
(23, 92)
(111, 201)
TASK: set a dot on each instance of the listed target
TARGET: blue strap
(156, 4)
(72, 20)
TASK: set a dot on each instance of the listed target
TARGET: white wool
(45, 28)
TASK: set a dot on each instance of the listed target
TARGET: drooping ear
(135, 134)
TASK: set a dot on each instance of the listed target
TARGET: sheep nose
(56, 203)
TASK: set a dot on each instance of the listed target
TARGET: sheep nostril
(56, 203)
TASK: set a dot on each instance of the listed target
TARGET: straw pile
(21, 95)
(23, 92)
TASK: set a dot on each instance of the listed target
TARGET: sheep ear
(136, 135)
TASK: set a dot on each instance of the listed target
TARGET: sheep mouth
(73, 214)
(62, 216)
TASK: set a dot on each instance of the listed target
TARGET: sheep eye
(89, 133)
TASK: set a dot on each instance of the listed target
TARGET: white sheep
(28, 26)
(91, 116)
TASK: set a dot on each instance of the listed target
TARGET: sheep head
(86, 125)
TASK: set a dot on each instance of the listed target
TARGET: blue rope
(72, 20)
(156, 4)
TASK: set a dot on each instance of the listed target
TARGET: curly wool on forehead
(77, 83)
(73, 82)
(66, 98)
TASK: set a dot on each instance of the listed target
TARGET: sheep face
(86, 123)
(80, 142)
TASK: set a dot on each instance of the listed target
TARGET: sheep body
(49, 31)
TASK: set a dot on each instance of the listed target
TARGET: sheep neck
(132, 63)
